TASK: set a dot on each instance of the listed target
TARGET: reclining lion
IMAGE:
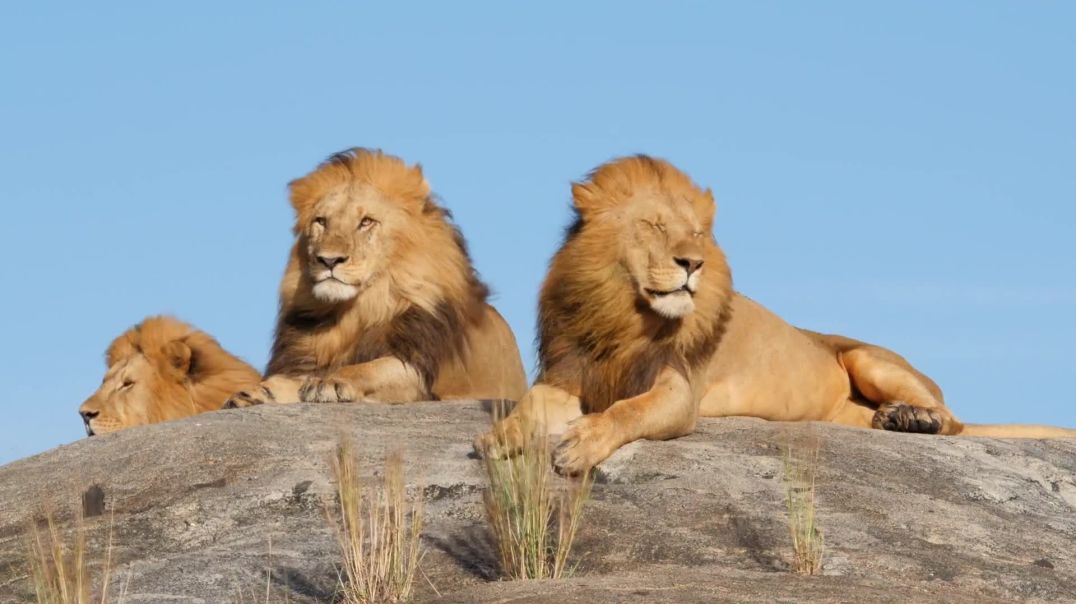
(379, 301)
(163, 369)
(640, 333)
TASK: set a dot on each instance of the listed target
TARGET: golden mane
(592, 331)
(432, 294)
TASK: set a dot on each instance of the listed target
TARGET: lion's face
(645, 223)
(663, 250)
(133, 393)
(347, 241)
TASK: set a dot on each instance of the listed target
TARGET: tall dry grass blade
(60, 574)
(534, 523)
(378, 531)
(801, 464)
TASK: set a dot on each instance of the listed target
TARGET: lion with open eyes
(640, 333)
(380, 301)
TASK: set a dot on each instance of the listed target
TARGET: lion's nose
(689, 264)
(87, 415)
(331, 261)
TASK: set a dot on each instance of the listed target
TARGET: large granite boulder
(202, 508)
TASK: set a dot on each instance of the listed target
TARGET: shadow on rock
(473, 549)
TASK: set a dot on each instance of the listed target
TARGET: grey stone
(202, 508)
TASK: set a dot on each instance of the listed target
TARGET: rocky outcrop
(202, 508)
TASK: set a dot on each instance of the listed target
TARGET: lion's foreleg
(543, 410)
(383, 380)
(668, 410)
(907, 401)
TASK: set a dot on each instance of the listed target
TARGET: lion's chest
(349, 344)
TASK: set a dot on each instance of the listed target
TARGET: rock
(202, 508)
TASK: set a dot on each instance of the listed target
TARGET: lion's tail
(1016, 431)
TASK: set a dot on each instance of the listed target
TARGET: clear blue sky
(902, 174)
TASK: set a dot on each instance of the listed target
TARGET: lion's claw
(326, 390)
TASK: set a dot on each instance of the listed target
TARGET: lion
(159, 370)
(641, 333)
(380, 301)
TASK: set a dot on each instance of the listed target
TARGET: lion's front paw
(327, 390)
(504, 440)
(587, 442)
(902, 417)
(249, 398)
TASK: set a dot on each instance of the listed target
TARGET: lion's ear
(706, 206)
(178, 355)
(413, 191)
(586, 197)
(302, 195)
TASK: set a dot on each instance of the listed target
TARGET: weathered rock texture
(205, 506)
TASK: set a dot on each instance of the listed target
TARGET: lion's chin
(674, 305)
(331, 290)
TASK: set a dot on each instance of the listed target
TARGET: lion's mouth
(657, 293)
(327, 278)
(330, 288)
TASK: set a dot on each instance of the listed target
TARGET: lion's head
(364, 217)
(655, 225)
(639, 280)
(162, 369)
(378, 268)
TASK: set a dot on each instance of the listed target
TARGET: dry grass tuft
(534, 523)
(60, 574)
(801, 464)
(378, 532)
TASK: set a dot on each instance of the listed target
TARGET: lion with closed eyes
(159, 370)
(641, 333)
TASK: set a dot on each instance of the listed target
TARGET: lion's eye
(127, 384)
(366, 223)
(320, 221)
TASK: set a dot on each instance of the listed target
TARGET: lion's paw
(248, 398)
(902, 417)
(586, 443)
(501, 442)
(327, 390)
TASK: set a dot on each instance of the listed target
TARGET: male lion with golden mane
(640, 333)
(380, 302)
(159, 370)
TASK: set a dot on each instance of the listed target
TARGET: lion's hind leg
(907, 400)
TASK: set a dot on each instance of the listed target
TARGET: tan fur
(619, 362)
(163, 369)
(379, 301)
